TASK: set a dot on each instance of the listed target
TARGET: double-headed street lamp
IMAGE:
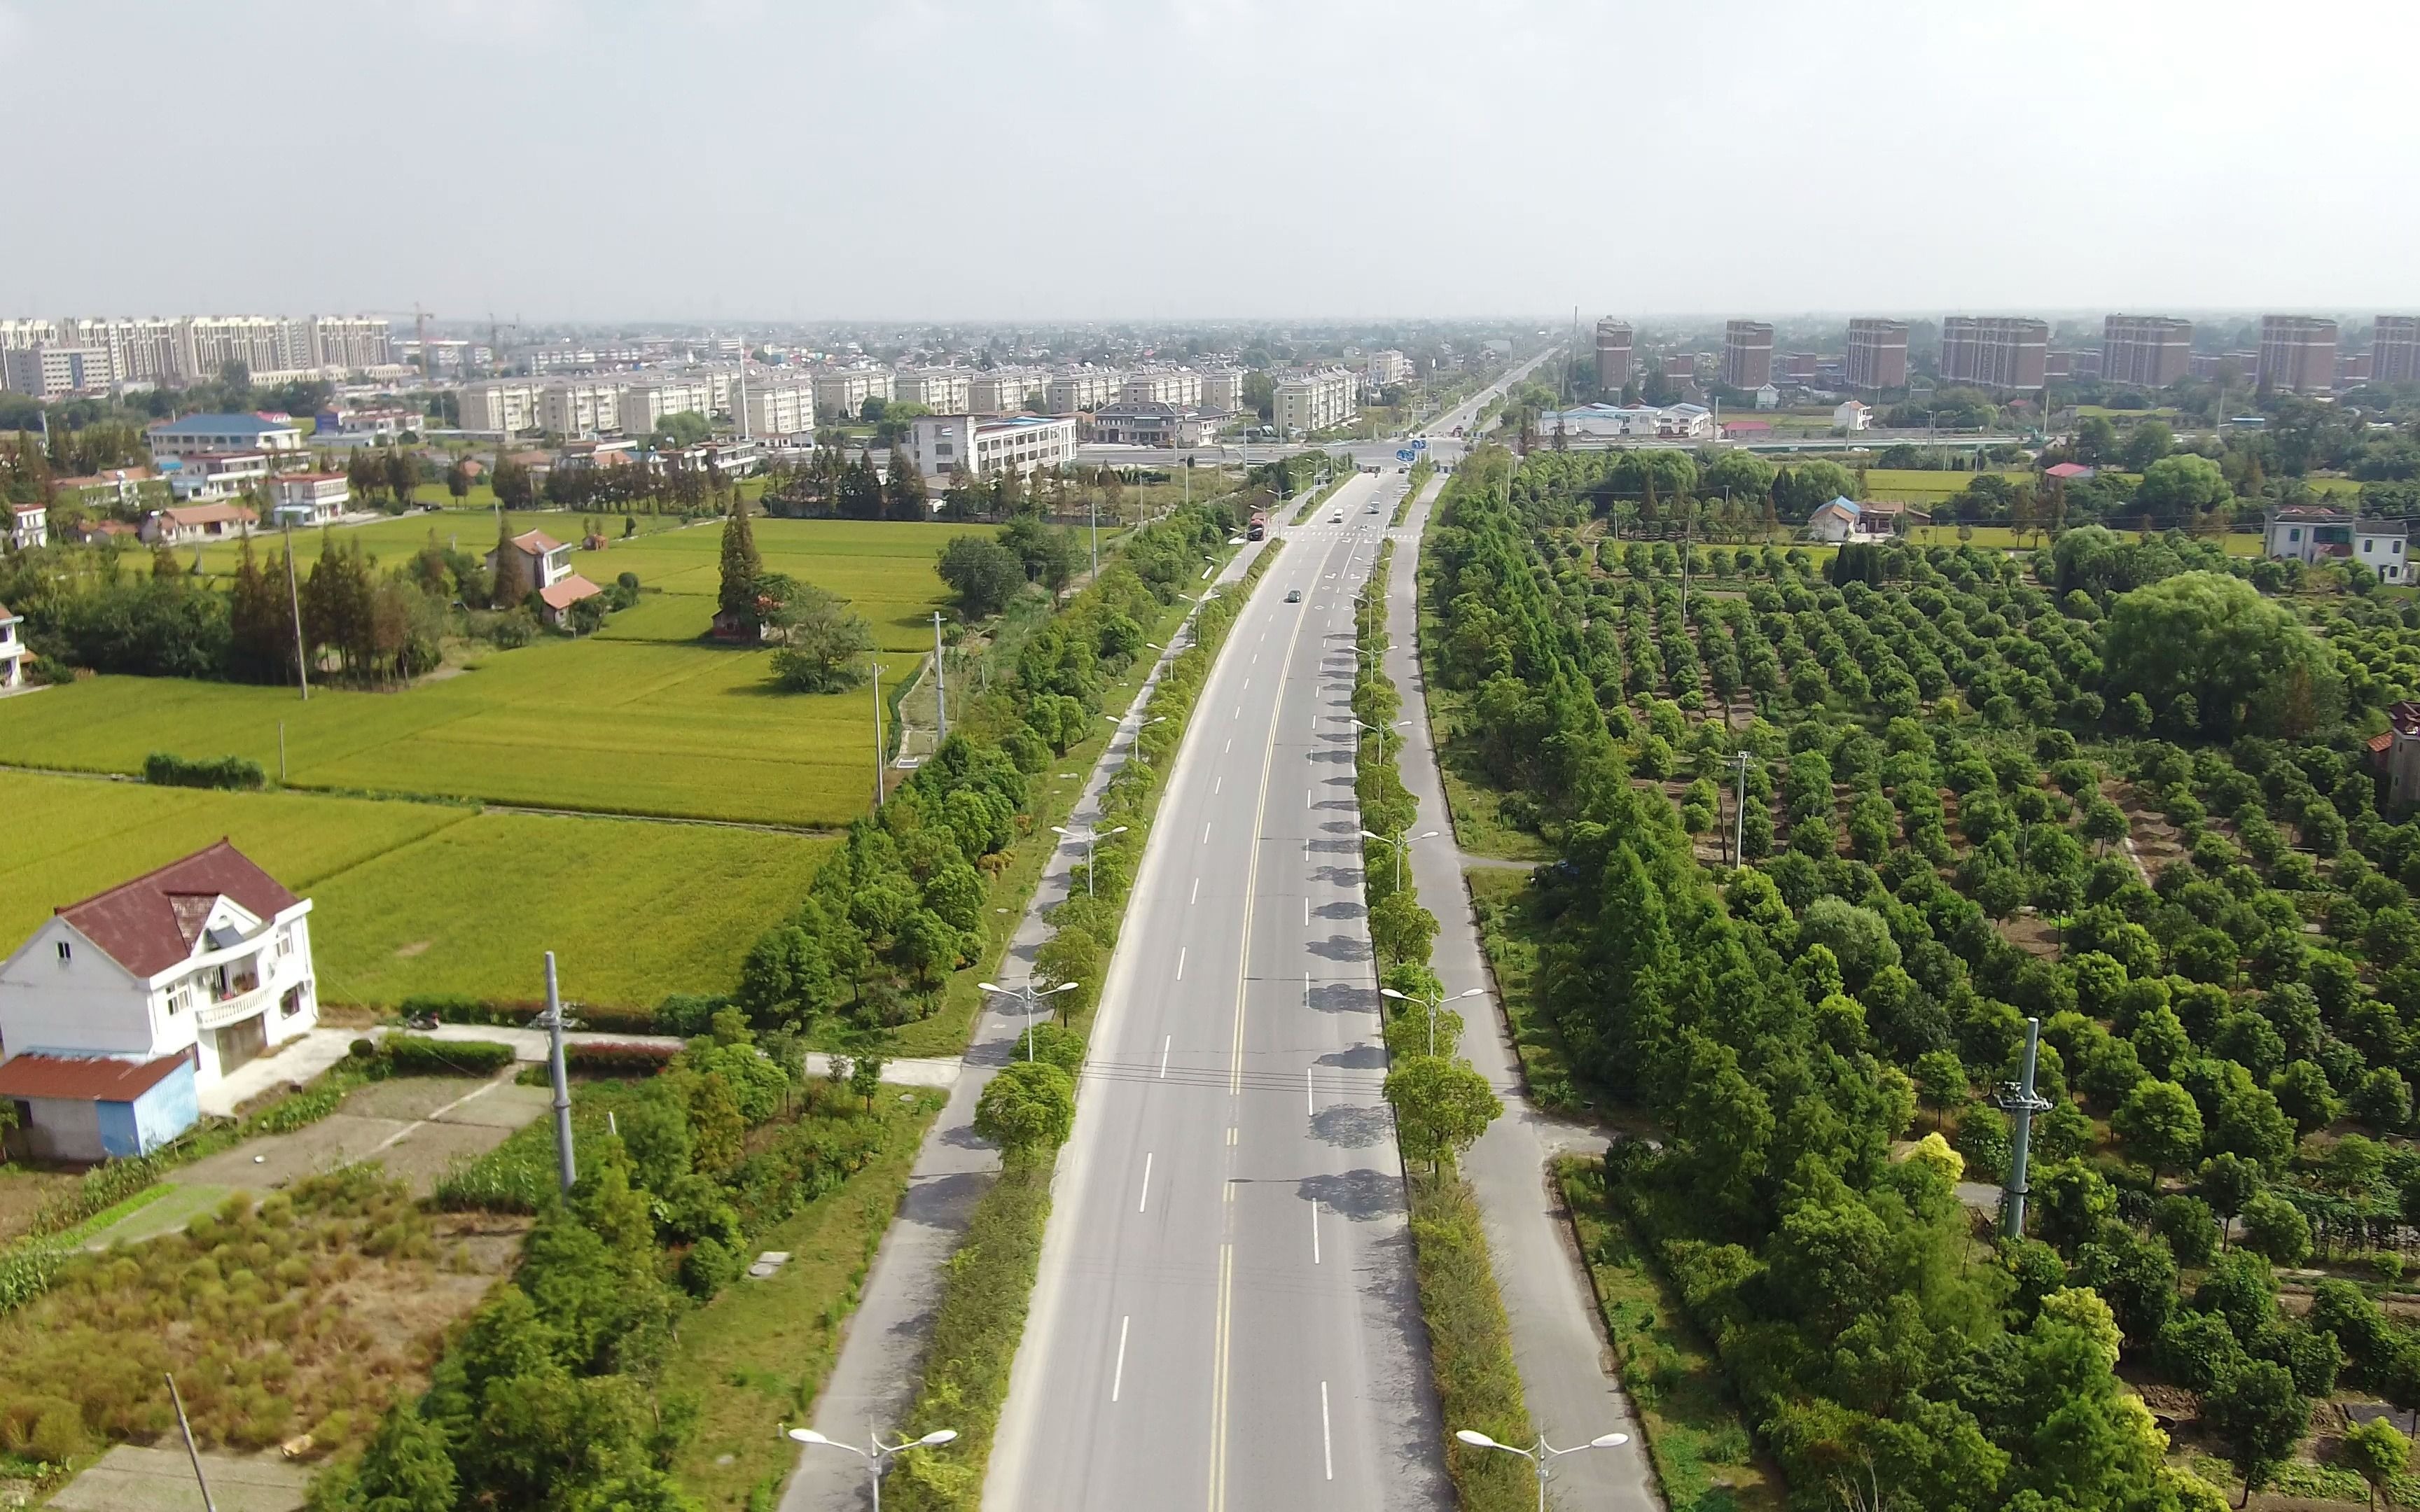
(1376, 729)
(877, 1458)
(1434, 1006)
(1541, 1454)
(1091, 840)
(1400, 846)
(1032, 998)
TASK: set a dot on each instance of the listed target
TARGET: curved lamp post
(1541, 1454)
(1031, 998)
(879, 1458)
(1433, 1004)
(1091, 840)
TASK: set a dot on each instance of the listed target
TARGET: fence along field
(643, 718)
(424, 898)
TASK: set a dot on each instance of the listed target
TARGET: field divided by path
(643, 718)
(415, 897)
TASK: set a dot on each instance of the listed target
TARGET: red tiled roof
(536, 541)
(2382, 741)
(567, 591)
(83, 1078)
(150, 924)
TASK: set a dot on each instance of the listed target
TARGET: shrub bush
(416, 1054)
(165, 770)
(616, 1058)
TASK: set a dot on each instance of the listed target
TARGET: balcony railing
(233, 1008)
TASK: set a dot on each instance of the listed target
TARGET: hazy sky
(719, 160)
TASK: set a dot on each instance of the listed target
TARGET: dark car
(1294, 595)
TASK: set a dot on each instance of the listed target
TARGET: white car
(1337, 519)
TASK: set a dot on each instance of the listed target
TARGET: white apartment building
(1379, 369)
(845, 389)
(1222, 388)
(940, 444)
(944, 391)
(1003, 391)
(45, 370)
(1077, 390)
(1315, 401)
(12, 650)
(644, 405)
(2310, 533)
(507, 405)
(217, 475)
(1178, 386)
(579, 407)
(15, 335)
(349, 342)
(147, 349)
(778, 406)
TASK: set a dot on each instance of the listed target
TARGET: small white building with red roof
(189, 971)
(546, 563)
(12, 650)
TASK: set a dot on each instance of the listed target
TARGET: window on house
(66, 952)
(180, 997)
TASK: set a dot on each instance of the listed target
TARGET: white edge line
(1118, 1381)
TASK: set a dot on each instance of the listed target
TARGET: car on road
(1294, 595)
(1337, 519)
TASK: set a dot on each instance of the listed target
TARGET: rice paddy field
(643, 718)
(419, 897)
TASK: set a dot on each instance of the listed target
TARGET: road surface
(1226, 1316)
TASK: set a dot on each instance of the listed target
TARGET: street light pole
(1029, 997)
(1399, 846)
(1434, 1006)
(877, 1458)
(1543, 1454)
(1091, 840)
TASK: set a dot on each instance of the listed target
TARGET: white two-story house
(546, 563)
(12, 650)
(204, 963)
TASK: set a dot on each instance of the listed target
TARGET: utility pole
(191, 1453)
(941, 684)
(2021, 1101)
(1739, 807)
(294, 604)
(1092, 506)
(878, 737)
(565, 1171)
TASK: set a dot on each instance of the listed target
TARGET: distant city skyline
(948, 161)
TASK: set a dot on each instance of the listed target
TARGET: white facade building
(12, 650)
(779, 406)
(218, 475)
(29, 526)
(1222, 388)
(845, 389)
(207, 960)
(644, 403)
(197, 524)
(316, 497)
(507, 405)
(983, 445)
(1614, 422)
(1850, 415)
(1003, 391)
(1077, 390)
(1315, 401)
(1379, 369)
(1179, 386)
(2304, 533)
(579, 407)
(944, 391)
(203, 435)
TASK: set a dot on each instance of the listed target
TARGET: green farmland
(643, 718)
(414, 897)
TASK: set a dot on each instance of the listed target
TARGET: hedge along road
(1226, 1315)
(874, 1381)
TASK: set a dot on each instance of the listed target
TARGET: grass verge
(755, 1358)
(1704, 1458)
(1510, 932)
(1470, 1344)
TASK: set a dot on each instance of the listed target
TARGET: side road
(1557, 1338)
(882, 1353)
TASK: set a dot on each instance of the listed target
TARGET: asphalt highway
(1226, 1316)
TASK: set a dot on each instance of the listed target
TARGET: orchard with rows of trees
(1944, 747)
